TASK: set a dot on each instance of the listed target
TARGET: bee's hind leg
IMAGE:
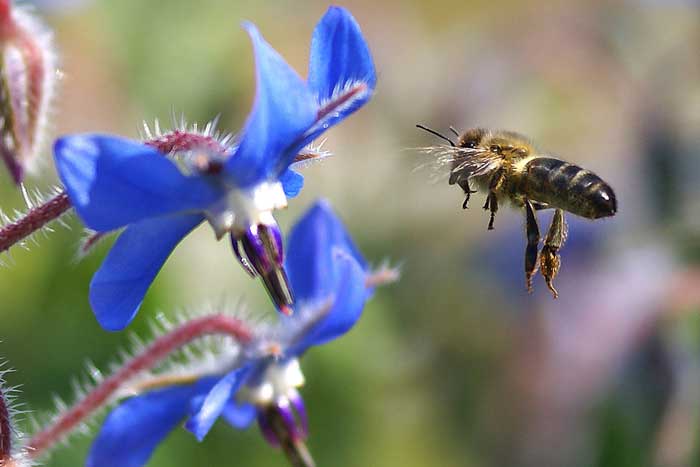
(492, 205)
(549, 257)
(533, 240)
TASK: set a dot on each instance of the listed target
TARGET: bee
(508, 167)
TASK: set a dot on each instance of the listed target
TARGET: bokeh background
(455, 365)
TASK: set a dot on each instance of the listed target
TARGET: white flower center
(279, 382)
(245, 207)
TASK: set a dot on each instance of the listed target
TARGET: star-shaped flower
(330, 277)
(115, 183)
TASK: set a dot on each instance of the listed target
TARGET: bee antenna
(433, 132)
(452, 129)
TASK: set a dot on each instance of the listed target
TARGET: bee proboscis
(508, 167)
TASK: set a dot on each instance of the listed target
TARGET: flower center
(278, 382)
(242, 208)
(281, 411)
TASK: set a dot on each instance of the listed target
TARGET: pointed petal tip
(250, 28)
(196, 429)
(334, 12)
(322, 204)
(110, 316)
(284, 108)
(338, 38)
(322, 208)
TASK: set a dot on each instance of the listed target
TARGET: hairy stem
(178, 140)
(35, 219)
(5, 432)
(150, 357)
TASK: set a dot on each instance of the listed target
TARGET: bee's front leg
(533, 240)
(464, 184)
(549, 257)
(491, 199)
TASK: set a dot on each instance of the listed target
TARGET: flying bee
(508, 167)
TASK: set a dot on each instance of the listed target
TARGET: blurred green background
(455, 365)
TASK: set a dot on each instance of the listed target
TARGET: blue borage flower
(114, 182)
(327, 273)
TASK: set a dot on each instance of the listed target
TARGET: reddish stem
(154, 354)
(35, 219)
(6, 22)
(5, 431)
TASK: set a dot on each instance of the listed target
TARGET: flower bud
(27, 79)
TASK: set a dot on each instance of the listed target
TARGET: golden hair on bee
(508, 167)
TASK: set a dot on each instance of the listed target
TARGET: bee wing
(460, 161)
(474, 162)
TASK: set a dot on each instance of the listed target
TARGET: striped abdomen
(569, 187)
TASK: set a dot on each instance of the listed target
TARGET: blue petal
(118, 287)
(310, 263)
(132, 430)
(339, 54)
(348, 301)
(284, 108)
(341, 71)
(292, 182)
(205, 414)
(239, 416)
(113, 181)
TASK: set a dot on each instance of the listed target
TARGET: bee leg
(492, 204)
(549, 257)
(464, 184)
(533, 240)
(491, 199)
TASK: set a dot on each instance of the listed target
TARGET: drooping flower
(115, 183)
(329, 277)
(27, 79)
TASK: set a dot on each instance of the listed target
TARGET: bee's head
(472, 138)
